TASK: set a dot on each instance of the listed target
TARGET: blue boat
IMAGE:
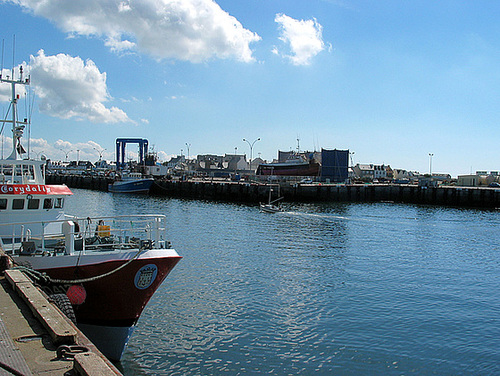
(132, 182)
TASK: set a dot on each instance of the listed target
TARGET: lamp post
(251, 149)
(430, 163)
(187, 159)
(66, 153)
(100, 151)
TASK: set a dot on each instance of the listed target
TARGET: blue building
(334, 165)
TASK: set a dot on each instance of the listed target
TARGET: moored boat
(106, 267)
(132, 182)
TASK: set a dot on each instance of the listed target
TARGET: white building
(371, 171)
(157, 170)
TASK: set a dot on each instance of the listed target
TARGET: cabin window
(47, 203)
(18, 204)
(3, 203)
(59, 203)
(33, 203)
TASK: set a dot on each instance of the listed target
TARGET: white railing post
(43, 237)
(157, 232)
(13, 238)
(68, 228)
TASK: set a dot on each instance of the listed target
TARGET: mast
(17, 126)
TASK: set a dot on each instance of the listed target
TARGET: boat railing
(73, 235)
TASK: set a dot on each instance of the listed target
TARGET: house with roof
(363, 171)
(370, 172)
(235, 162)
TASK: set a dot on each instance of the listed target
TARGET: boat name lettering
(21, 189)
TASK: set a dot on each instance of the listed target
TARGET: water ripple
(320, 289)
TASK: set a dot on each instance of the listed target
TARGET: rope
(38, 276)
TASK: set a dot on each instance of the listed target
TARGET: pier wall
(478, 197)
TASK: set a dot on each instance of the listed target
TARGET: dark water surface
(330, 289)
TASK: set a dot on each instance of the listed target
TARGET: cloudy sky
(391, 81)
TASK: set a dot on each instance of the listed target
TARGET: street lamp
(187, 160)
(430, 163)
(352, 159)
(66, 153)
(100, 151)
(251, 149)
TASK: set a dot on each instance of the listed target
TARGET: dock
(36, 338)
(254, 192)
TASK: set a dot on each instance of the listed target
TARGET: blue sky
(391, 81)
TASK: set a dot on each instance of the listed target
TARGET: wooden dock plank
(56, 324)
(89, 364)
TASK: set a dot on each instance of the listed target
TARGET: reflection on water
(324, 289)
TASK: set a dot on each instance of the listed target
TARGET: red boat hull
(116, 299)
(113, 303)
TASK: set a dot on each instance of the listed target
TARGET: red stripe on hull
(34, 189)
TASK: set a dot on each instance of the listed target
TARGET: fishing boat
(106, 268)
(296, 165)
(270, 207)
(132, 182)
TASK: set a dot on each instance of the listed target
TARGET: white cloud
(68, 87)
(192, 30)
(304, 38)
(163, 156)
(83, 151)
(57, 151)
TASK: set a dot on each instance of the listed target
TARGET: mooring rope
(39, 276)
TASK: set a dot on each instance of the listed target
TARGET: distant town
(325, 166)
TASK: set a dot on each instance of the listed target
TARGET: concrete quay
(36, 338)
(249, 192)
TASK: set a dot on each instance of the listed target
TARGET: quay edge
(35, 334)
(249, 192)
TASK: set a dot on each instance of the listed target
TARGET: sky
(391, 81)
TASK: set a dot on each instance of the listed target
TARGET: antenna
(1, 68)
(13, 53)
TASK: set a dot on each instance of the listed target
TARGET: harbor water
(319, 289)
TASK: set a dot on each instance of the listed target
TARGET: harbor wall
(479, 197)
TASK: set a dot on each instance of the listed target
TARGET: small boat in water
(132, 182)
(106, 268)
(270, 207)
